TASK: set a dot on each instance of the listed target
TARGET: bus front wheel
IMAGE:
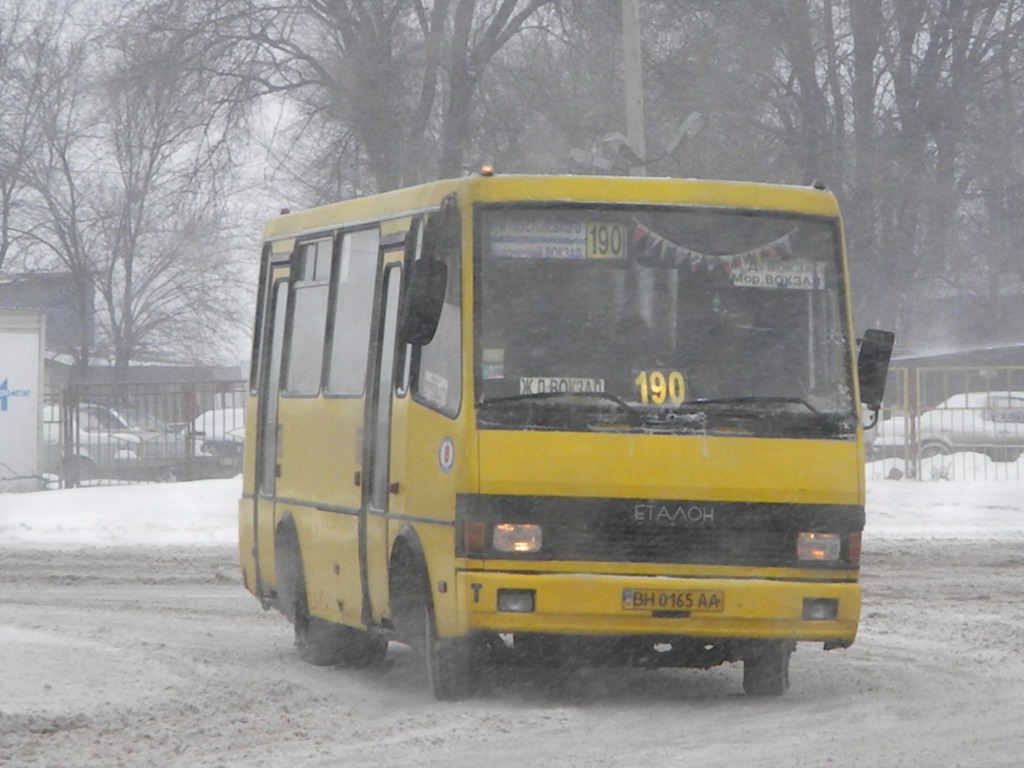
(451, 664)
(766, 668)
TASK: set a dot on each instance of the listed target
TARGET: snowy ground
(128, 640)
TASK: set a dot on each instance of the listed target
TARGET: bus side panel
(246, 543)
(247, 510)
(319, 451)
(246, 505)
(332, 581)
(320, 458)
(249, 446)
(440, 461)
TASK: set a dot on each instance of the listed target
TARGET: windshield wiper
(635, 416)
(751, 400)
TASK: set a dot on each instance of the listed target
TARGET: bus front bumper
(592, 604)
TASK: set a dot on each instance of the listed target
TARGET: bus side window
(311, 269)
(353, 311)
(437, 381)
(262, 302)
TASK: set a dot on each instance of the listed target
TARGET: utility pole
(633, 83)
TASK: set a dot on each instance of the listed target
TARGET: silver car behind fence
(942, 423)
(115, 433)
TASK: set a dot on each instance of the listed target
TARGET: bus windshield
(661, 317)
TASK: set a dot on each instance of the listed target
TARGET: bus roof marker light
(486, 169)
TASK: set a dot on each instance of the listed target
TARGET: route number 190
(658, 386)
(606, 241)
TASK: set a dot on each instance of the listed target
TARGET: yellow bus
(559, 420)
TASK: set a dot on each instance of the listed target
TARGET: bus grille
(657, 531)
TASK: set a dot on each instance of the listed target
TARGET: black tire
(317, 641)
(451, 665)
(766, 669)
(324, 643)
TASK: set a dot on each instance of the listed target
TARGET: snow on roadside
(946, 506)
(200, 513)
(976, 510)
(204, 513)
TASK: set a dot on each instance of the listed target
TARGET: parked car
(220, 434)
(101, 442)
(985, 422)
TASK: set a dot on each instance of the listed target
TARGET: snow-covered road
(127, 639)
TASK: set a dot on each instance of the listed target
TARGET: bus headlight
(819, 547)
(522, 538)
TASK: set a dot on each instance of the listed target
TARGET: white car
(220, 433)
(97, 441)
(984, 422)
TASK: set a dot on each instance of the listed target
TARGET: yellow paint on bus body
(320, 463)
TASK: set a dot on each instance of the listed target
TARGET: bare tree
(159, 213)
(55, 61)
(385, 92)
(131, 186)
(21, 40)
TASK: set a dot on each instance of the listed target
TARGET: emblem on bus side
(446, 454)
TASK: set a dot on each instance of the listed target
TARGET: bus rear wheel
(766, 668)
(324, 643)
(317, 641)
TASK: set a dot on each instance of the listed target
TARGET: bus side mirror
(873, 365)
(422, 301)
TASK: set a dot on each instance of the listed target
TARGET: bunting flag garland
(653, 250)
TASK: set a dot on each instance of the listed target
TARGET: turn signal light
(474, 537)
(853, 544)
(522, 538)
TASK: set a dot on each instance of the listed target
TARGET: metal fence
(113, 433)
(964, 423)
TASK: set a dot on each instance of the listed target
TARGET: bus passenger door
(267, 439)
(373, 529)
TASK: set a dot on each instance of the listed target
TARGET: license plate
(673, 600)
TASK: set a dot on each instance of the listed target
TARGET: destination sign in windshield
(540, 239)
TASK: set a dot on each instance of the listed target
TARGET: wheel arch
(407, 543)
(939, 441)
(408, 558)
(407, 550)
